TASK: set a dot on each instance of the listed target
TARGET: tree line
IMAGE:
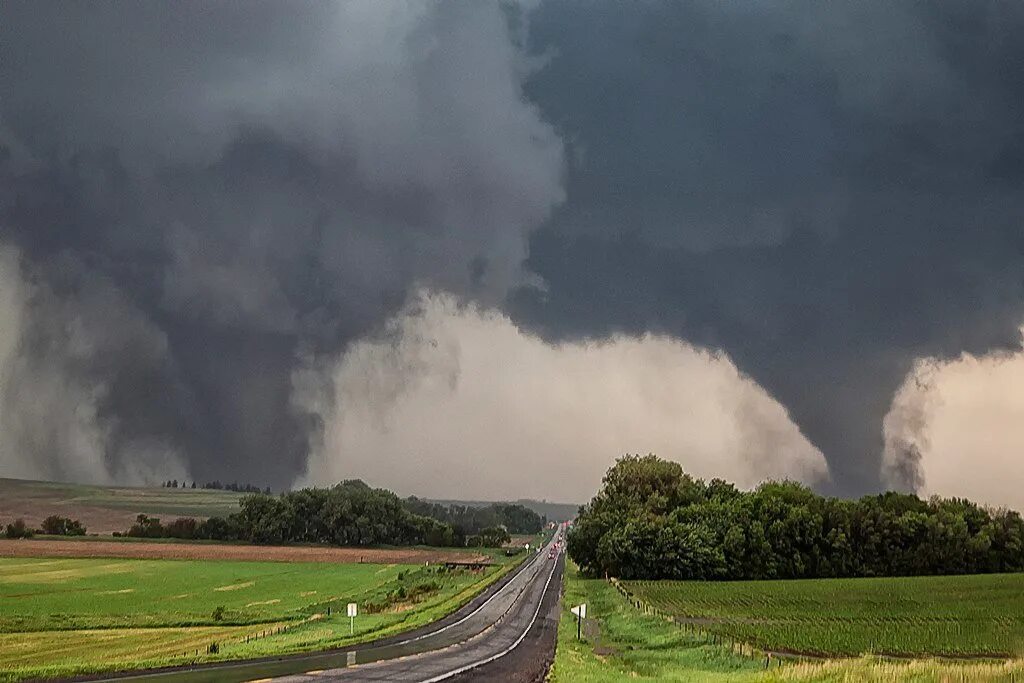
(216, 486)
(348, 514)
(470, 521)
(54, 525)
(650, 520)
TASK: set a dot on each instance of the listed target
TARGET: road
(510, 629)
(481, 638)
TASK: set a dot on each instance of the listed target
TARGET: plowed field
(210, 551)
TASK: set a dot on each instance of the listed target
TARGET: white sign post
(581, 613)
(352, 610)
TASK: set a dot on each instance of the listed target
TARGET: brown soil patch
(204, 551)
(97, 520)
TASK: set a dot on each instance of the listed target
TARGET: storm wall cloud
(205, 206)
(258, 184)
(825, 191)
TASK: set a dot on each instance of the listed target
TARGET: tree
(650, 520)
(146, 527)
(55, 525)
(18, 529)
(491, 537)
(183, 527)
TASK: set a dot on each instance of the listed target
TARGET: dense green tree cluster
(469, 520)
(650, 520)
(349, 514)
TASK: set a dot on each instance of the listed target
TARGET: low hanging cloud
(457, 399)
(961, 422)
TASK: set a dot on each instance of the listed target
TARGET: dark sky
(208, 199)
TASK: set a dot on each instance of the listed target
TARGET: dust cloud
(456, 401)
(962, 424)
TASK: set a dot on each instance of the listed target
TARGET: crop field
(69, 616)
(623, 644)
(104, 509)
(960, 616)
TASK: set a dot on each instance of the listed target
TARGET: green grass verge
(621, 644)
(919, 616)
(75, 616)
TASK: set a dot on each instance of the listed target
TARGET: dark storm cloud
(250, 186)
(211, 201)
(824, 190)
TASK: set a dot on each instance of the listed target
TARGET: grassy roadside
(622, 644)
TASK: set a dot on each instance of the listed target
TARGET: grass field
(67, 616)
(104, 509)
(623, 644)
(948, 615)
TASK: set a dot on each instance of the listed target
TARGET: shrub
(146, 527)
(491, 537)
(55, 525)
(18, 529)
(183, 527)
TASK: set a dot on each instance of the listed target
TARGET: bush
(146, 527)
(55, 525)
(18, 529)
(183, 527)
(219, 529)
(491, 537)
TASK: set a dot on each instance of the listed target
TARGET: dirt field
(203, 551)
(105, 509)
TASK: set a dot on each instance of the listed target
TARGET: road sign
(352, 609)
(581, 613)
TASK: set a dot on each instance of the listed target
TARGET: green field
(621, 643)
(941, 615)
(66, 616)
